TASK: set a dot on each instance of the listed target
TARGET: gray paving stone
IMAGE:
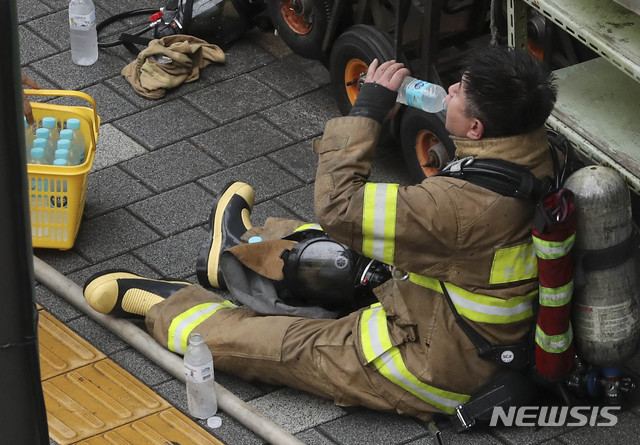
(70, 76)
(100, 337)
(173, 391)
(109, 106)
(126, 262)
(233, 432)
(287, 76)
(300, 201)
(236, 142)
(175, 256)
(114, 146)
(527, 435)
(64, 261)
(140, 367)
(299, 159)
(234, 98)
(111, 189)
(265, 176)
(111, 235)
(32, 46)
(42, 81)
(305, 116)
(268, 41)
(175, 210)
(271, 208)
(164, 124)
(314, 437)
(243, 56)
(625, 432)
(373, 428)
(295, 410)
(171, 166)
(29, 10)
(56, 305)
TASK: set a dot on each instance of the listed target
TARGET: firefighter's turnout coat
(405, 353)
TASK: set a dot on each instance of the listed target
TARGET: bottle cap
(66, 134)
(40, 143)
(73, 123)
(214, 422)
(255, 239)
(43, 133)
(49, 122)
(64, 144)
(59, 162)
(37, 152)
(61, 153)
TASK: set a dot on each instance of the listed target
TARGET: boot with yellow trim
(127, 295)
(228, 222)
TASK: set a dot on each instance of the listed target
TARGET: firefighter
(405, 353)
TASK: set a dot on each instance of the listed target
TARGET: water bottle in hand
(420, 94)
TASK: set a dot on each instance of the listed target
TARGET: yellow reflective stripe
(374, 336)
(482, 308)
(374, 320)
(308, 226)
(513, 264)
(551, 250)
(182, 325)
(554, 344)
(556, 296)
(379, 221)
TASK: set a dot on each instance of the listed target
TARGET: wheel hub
(298, 14)
(354, 77)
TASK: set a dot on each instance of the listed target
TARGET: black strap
(500, 176)
(587, 260)
(509, 356)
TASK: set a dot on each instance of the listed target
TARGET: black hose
(123, 15)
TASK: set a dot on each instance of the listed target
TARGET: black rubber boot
(127, 295)
(228, 222)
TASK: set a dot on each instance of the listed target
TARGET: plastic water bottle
(82, 31)
(198, 371)
(76, 148)
(420, 94)
(43, 133)
(51, 124)
(28, 137)
(62, 151)
(37, 156)
(78, 137)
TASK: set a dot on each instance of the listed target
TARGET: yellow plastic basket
(57, 194)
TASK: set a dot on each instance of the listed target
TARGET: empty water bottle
(82, 32)
(198, 371)
(426, 96)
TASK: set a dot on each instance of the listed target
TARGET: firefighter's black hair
(508, 90)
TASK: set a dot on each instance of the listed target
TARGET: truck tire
(302, 24)
(425, 142)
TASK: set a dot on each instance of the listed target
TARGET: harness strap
(509, 356)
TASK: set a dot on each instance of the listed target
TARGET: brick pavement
(157, 169)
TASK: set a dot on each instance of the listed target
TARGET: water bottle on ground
(82, 32)
(78, 137)
(198, 370)
(37, 156)
(420, 94)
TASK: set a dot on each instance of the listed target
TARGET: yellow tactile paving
(91, 400)
(61, 349)
(166, 427)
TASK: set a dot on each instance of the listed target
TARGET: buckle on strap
(463, 419)
(457, 166)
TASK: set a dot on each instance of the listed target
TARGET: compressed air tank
(605, 302)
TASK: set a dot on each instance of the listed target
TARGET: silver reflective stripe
(372, 324)
(556, 296)
(379, 221)
(186, 322)
(485, 309)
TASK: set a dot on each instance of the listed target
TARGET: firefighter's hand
(28, 113)
(390, 74)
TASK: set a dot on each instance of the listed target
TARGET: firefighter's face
(458, 122)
